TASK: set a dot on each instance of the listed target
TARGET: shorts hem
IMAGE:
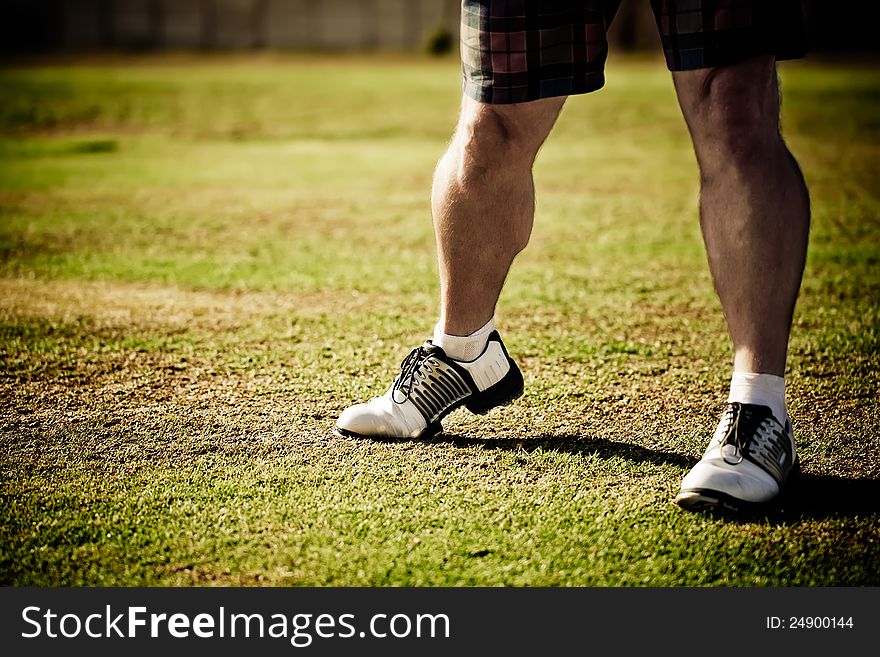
(688, 52)
(728, 59)
(491, 95)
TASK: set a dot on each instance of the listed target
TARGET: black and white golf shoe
(429, 387)
(748, 463)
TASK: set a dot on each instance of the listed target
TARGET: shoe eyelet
(731, 454)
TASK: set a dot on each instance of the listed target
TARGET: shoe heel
(504, 392)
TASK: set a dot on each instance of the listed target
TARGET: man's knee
(499, 138)
(732, 111)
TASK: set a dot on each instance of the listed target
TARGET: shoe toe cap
(362, 419)
(743, 481)
(372, 421)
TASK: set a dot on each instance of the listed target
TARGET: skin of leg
(483, 204)
(754, 205)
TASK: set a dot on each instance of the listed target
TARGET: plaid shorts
(513, 51)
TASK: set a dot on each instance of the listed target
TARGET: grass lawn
(203, 261)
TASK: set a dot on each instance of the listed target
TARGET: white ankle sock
(464, 348)
(764, 389)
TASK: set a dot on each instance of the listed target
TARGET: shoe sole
(431, 431)
(715, 501)
(702, 499)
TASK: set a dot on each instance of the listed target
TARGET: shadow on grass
(817, 496)
(813, 497)
(600, 447)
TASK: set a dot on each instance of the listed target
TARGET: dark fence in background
(223, 24)
(133, 25)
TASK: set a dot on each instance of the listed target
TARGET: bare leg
(755, 216)
(483, 202)
(754, 205)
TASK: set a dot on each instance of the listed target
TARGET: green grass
(204, 260)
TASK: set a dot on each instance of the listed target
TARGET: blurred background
(28, 26)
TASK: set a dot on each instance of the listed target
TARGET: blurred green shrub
(440, 41)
